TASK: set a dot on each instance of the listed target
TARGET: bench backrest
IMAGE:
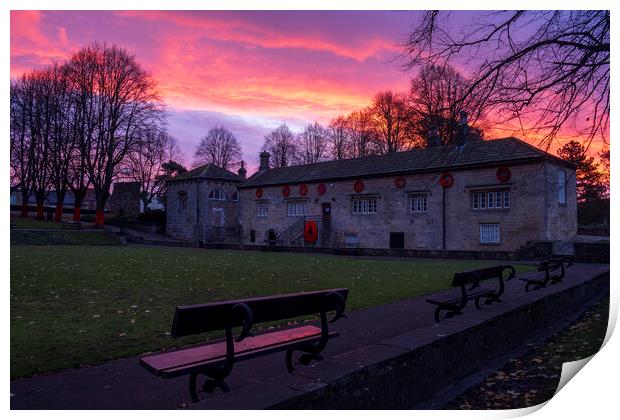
(475, 276)
(196, 319)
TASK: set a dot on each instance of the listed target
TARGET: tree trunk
(24, 212)
(76, 213)
(39, 215)
(60, 201)
(99, 217)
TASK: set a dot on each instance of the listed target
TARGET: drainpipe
(443, 216)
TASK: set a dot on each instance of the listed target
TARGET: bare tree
(39, 105)
(548, 67)
(63, 140)
(363, 137)
(437, 98)
(146, 164)
(219, 147)
(392, 121)
(312, 144)
(21, 161)
(119, 101)
(280, 144)
(339, 138)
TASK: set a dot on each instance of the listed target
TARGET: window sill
(489, 243)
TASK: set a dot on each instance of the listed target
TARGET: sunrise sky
(248, 71)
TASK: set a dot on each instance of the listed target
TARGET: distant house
(89, 202)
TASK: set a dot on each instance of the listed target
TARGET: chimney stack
(462, 130)
(242, 171)
(264, 161)
(432, 138)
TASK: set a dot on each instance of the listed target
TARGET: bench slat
(179, 362)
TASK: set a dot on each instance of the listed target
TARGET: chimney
(432, 138)
(462, 130)
(242, 171)
(264, 161)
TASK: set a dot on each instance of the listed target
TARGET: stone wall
(201, 219)
(125, 199)
(532, 215)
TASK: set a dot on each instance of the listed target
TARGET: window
(489, 233)
(350, 240)
(562, 187)
(262, 209)
(217, 194)
(367, 205)
(235, 196)
(297, 208)
(418, 203)
(482, 200)
(182, 200)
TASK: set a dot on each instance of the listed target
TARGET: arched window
(235, 196)
(182, 200)
(218, 194)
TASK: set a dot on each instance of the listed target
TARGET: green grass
(68, 237)
(30, 223)
(73, 306)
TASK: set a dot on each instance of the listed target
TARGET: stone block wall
(531, 215)
(202, 219)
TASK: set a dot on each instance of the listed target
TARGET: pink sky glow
(248, 71)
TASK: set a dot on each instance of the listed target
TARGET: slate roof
(209, 171)
(432, 159)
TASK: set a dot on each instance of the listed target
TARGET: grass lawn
(30, 223)
(77, 305)
(68, 237)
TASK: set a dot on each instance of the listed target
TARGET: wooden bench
(215, 359)
(551, 271)
(475, 291)
(70, 224)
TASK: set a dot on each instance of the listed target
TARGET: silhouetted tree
(312, 144)
(551, 67)
(590, 183)
(119, 101)
(437, 97)
(219, 147)
(364, 140)
(392, 122)
(149, 163)
(280, 144)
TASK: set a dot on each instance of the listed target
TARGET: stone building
(489, 195)
(202, 205)
(481, 196)
(125, 199)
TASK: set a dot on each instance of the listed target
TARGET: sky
(249, 71)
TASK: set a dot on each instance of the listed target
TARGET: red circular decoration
(321, 189)
(400, 182)
(286, 191)
(259, 192)
(311, 231)
(446, 180)
(358, 186)
(503, 174)
(303, 189)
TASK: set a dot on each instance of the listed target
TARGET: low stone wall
(370, 252)
(408, 369)
(415, 371)
(592, 252)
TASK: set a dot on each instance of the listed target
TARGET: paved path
(123, 384)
